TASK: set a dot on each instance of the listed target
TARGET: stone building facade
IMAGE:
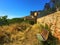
(33, 16)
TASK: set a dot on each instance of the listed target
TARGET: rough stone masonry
(53, 20)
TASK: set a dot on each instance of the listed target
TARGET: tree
(4, 17)
(3, 20)
(56, 3)
(53, 1)
(47, 6)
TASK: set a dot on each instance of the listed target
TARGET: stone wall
(54, 21)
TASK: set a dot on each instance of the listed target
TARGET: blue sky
(20, 8)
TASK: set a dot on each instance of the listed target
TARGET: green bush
(31, 22)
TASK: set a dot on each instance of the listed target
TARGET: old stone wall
(54, 21)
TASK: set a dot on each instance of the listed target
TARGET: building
(33, 16)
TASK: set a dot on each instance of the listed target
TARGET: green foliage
(50, 8)
(56, 4)
(31, 22)
(15, 20)
(46, 12)
(3, 20)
